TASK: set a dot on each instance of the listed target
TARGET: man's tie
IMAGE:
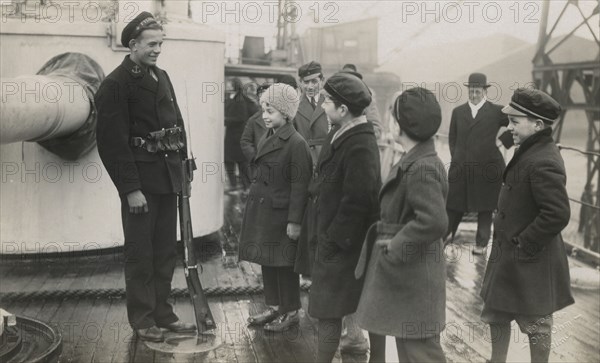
(312, 103)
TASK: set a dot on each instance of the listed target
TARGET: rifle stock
(204, 318)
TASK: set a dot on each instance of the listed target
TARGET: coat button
(166, 155)
(261, 200)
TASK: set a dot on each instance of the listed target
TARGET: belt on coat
(375, 231)
(388, 228)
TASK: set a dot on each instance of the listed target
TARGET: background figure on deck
(527, 275)
(475, 173)
(238, 109)
(254, 130)
(275, 206)
(404, 293)
(311, 121)
(348, 180)
(135, 100)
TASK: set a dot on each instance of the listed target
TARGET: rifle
(204, 318)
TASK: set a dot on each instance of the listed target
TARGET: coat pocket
(524, 257)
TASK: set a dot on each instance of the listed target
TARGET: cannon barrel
(37, 108)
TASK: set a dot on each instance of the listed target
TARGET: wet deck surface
(96, 329)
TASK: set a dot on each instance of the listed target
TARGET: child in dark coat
(527, 276)
(275, 206)
(348, 178)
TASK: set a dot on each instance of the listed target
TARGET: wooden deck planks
(97, 330)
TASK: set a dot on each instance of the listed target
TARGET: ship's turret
(55, 194)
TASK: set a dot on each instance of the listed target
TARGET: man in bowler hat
(477, 164)
(311, 121)
(527, 275)
(135, 100)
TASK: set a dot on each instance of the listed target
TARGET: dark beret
(310, 69)
(349, 90)
(289, 80)
(143, 21)
(533, 103)
(418, 113)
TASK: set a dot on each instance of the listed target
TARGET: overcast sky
(402, 24)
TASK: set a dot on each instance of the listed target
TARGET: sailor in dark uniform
(141, 142)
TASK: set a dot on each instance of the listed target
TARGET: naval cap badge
(136, 69)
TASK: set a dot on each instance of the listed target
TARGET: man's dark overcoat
(132, 104)
(277, 196)
(349, 180)
(475, 173)
(253, 131)
(404, 294)
(237, 112)
(312, 125)
(527, 271)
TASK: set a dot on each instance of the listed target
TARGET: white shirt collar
(316, 97)
(477, 107)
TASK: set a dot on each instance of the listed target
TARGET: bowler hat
(349, 90)
(141, 22)
(477, 80)
(310, 70)
(418, 113)
(533, 103)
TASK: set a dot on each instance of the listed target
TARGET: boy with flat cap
(141, 143)
(527, 276)
(310, 121)
(348, 179)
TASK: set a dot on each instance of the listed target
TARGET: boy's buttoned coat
(475, 173)
(312, 125)
(277, 196)
(348, 179)
(527, 271)
(404, 293)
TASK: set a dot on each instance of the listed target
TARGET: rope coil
(119, 293)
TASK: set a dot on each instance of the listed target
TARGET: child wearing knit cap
(275, 207)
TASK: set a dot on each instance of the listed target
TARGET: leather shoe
(152, 334)
(266, 316)
(180, 327)
(283, 322)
